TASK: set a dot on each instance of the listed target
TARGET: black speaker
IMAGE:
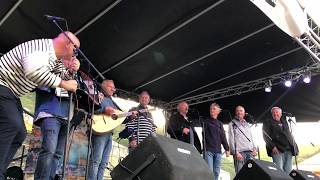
(14, 173)
(303, 175)
(261, 170)
(162, 158)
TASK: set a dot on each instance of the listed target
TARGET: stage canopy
(175, 48)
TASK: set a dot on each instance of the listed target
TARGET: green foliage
(28, 102)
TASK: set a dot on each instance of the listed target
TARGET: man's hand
(69, 85)
(239, 157)
(109, 111)
(134, 114)
(185, 131)
(254, 152)
(133, 144)
(73, 65)
(275, 150)
(101, 97)
(227, 153)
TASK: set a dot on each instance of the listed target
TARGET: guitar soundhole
(114, 116)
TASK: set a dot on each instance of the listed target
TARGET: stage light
(288, 83)
(307, 78)
(267, 87)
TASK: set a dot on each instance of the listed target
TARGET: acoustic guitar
(102, 124)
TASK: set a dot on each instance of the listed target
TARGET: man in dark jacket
(179, 126)
(215, 136)
(280, 143)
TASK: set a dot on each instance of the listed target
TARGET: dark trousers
(12, 128)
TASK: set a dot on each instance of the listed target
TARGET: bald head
(63, 46)
(71, 36)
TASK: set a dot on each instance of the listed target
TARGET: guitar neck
(125, 114)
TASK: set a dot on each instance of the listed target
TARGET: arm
(266, 130)
(223, 138)
(174, 128)
(231, 139)
(39, 70)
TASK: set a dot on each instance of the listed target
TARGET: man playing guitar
(102, 143)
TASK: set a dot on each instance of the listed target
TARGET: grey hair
(274, 108)
(215, 105)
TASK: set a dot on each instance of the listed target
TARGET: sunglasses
(75, 52)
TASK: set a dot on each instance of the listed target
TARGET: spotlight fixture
(267, 87)
(288, 83)
(306, 77)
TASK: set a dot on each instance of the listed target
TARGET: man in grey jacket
(240, 139)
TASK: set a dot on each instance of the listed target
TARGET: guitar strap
(115, 104)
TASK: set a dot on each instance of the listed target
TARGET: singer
(240, 139)
(215, 137)
(281, 145)
(141, 125)
(180, 125)
(102, 144)
(22, 69)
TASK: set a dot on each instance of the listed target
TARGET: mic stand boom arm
(71, 96)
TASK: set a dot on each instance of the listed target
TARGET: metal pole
(164, 36)
(93, 20)
(239, 72)
(13, 8)
(206, 56)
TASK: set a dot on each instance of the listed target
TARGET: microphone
(250, 118)
(56, 18)
(287, 113)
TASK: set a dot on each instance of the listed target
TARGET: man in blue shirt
(102, 144)
(51, 114)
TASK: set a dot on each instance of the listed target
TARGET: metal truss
(12, 9)
(311, 39)
(294, 75)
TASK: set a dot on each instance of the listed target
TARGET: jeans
(283, 161)
(214, 162)
(54, 132)
(12, 128)
(247, 155)
(101, 148)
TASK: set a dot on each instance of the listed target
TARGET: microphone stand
(255, 123)
(204, 140)
(90, 116)
(234, 126)
(295, 156)
(203, 125)
(69, 116)
(71, 96)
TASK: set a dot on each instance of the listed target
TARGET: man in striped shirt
(27, 66)
(141, 124)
